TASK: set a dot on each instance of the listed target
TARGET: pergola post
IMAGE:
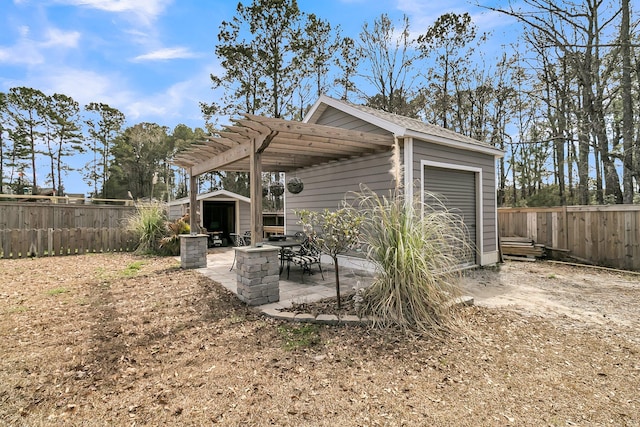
(193, 201)
(193, 246)
(255, 181)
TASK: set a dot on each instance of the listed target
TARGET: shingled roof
(401, 126)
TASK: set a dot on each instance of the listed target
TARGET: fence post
(566, 227)
(50, 242)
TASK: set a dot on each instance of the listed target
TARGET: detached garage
(339, 146)
(461, 171)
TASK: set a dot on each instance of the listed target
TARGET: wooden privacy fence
(21, 215)
(602, 235)
(23, 243)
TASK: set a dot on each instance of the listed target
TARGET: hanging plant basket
(276, 188)
(295, 185)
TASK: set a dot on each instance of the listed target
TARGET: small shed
(221, 210)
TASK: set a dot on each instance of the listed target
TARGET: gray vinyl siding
(327, 185)
(340, 119)
(443, 154)
(245, 217)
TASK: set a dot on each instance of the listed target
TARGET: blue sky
(151, 59)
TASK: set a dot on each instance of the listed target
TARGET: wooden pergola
(257, 144)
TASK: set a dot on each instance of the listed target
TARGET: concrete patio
(296, 289)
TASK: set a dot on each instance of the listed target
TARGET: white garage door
(457, 189)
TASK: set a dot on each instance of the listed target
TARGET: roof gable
(217, 193)
(224, 193)
(399, 126)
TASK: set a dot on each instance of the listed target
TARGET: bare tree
(575, 31)
(390, 64)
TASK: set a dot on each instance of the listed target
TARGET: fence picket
(16, 243)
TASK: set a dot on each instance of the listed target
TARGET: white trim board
(407, 168)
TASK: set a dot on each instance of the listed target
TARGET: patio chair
(238, 240)
(308, 255)
(299, 236)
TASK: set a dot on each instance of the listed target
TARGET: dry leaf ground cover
(122, 340)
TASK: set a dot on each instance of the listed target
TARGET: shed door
(457, 190)
(219, 216)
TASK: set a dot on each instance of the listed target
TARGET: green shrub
(170, 244)
(417, 250)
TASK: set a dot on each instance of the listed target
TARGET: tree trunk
(335, 263)
(571, 151)
(599, 193)
(583, 152)
(627, 106)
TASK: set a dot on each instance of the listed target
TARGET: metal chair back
(238, 240)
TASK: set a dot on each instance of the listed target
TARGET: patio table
(284, 244)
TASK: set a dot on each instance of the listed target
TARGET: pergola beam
(214, 163)
(234, 137)
(255, 144)
(311, 130)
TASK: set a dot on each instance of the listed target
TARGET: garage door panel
(456, 189)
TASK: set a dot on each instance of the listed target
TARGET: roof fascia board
(339, 105)
(314, 109)
(230, 195)
(455, 144)
(177, 202)
(398, 131)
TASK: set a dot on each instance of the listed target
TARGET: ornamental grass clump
(148, 227)
(417, 250)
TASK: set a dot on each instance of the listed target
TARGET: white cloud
(145, 10)
(83, 85)
(27, 51)
(489, 20)
(415, 7)
(21, 54)
(423, 14)
(24, 51)
(179, 103)
(166, 54)
(24, 31)
(56, 37)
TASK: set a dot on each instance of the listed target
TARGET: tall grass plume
(417, 250)
(148, 226)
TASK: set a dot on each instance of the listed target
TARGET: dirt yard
(104, 340)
